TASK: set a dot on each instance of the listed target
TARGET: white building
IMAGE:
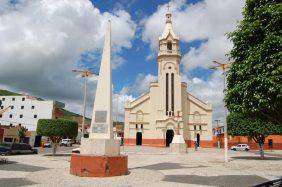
(26, 111)
(155, 117)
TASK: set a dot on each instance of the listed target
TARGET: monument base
(90, 146)
(178, 145)
(98, 166)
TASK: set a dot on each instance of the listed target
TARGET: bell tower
(169, 71)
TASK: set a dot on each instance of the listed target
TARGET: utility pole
(223, 67)
(85, 74)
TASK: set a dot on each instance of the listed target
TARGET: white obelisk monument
(100, 141)
(100, 153)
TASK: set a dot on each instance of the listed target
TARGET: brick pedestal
(98, 166)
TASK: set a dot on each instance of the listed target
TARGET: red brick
(98, 166)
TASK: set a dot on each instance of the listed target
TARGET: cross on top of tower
(168, 6)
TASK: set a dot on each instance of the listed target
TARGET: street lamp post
(223, 67)
(85, 74)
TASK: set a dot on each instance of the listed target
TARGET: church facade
(156, 116)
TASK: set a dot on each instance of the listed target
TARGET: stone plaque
(100, 116)
(100, 128)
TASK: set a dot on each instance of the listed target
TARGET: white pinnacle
(102, 123)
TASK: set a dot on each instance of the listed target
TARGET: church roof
(168, 28)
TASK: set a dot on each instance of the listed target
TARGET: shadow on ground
(167, 166)
(13, 182)
(57, 155)
(220, 181)
(14, 166)
(255, 158)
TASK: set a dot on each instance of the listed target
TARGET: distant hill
(8, 93)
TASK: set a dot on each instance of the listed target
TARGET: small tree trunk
(54, 148)
(260, 139)
(261, 151)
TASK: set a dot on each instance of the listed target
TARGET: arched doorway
(169, 136)
(198, 140)
(139, 138)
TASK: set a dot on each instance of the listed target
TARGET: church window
(197, 117)
(172, 92)
(166, 99)
(200, 127)
(141, 126)
(136, 126)
(169, 46)
(195, 127)
(139, 116)
(169, 67)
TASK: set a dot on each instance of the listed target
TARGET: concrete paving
(149, 167)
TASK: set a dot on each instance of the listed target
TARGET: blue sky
(42, 41)
(135, 56)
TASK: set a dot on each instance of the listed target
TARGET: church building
(154, 118)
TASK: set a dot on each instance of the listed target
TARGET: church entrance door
(169, 137)
(198, 140)
(139, 138)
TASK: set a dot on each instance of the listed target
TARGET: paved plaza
(148, 167)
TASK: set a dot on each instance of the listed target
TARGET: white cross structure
(168, 6)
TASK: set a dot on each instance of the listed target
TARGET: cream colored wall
(204, 119)
(153, 105)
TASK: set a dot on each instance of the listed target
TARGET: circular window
(169, 67)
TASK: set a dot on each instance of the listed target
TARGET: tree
(56, 129)
(254, 81)
(22, 133)
(256, 128)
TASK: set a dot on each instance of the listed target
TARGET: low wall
(276, 142)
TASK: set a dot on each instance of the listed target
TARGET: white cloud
(141, 84)
(213, 49)
(207, 20)
(210, 90)
(41, 42)
(119, 101)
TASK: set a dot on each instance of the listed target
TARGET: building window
(200, 127)
(197, 117)
(35, 116)
(11, 116)
(21, 116)
(32, 107)
(136, 126)
(2, 107)
(139, 116)
(12, 107)
(23, 99)
(3, 99)
(195, 127)
(169, 46)
(0, 115)
(22, 107)
(13, 99)
(141, 126)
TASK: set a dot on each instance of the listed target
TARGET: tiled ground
(150, 167)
